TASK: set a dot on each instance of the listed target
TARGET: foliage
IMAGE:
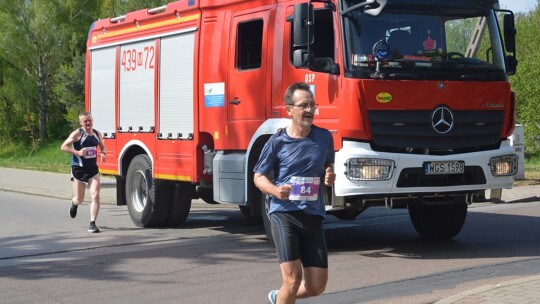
(16, 100)
(70, 89)
(37, 37)
(31, 45)
(524, 82)
(115, 8)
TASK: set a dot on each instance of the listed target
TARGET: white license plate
(445, 167)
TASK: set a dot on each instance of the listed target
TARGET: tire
(246, 212)
(346, 214)
(264, 199)
(438, 222)
(180, 204)
(147, 199)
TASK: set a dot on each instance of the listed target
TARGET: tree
(70, 89)
(524, 82)
(30, 43)
(37, 37)
(115, 8)
(68, 85)
(16, 91)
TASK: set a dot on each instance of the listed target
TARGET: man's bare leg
(293, 287)
(314, 282)
(78, 192)
(291, 276)
(95, 187)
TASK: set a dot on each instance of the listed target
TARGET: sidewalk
(519, 291)
(59, 185)
(524, 291)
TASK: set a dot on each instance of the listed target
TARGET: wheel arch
(259, 139)
(128, 152)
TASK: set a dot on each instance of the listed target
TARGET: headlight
(505, 165)
(369, 169)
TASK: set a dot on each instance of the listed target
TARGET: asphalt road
(219, 257)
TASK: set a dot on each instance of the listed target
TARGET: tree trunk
(42, 101)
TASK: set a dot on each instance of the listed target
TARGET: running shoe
(73, 210)
(93, 228)
(272, 296)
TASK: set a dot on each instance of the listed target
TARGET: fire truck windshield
(425, 45)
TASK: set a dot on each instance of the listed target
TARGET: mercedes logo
(442, 120)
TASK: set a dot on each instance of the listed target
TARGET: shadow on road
(484, 235)
(210, 236)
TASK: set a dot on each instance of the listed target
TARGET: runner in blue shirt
(301, 158)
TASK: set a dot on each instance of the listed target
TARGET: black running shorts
(84, 174)
(298, 235)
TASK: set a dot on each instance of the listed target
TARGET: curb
(487, 288)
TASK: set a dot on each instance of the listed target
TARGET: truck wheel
(180, 204)
(147, 198)
(438, 222)
(346, 214)
(246, 212)
(266, 219)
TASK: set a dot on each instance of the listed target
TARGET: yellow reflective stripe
(173, 177)
(148, 26)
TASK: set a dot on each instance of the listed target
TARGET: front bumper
(407, 173)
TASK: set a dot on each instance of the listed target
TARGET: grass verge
(532, 172)
(47, 158)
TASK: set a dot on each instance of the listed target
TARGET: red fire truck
(415, 93)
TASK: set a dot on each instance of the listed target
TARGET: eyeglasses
(306, 106)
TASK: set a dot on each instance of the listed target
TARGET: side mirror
(509, 32)
(511, 64)
(509, 29)
(303, 24)
(300, 58)
(324, 64)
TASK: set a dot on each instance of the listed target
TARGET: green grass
(533, 161)
(47, 158)
(532, 167)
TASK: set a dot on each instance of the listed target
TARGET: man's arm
(329, 175)
(266, 186)
(102, 146)
(67, 145)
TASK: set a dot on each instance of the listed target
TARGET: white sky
(518, 6)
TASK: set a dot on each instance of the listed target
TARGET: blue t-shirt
(291, 157)
(90, 142)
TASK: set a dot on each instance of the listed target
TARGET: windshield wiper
(474, 70)
(403, 75)
(471, 70)
(473, 77)
(412, 75)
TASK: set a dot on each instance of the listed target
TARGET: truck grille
(415, 177)
(395, 130)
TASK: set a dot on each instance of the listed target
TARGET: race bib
(304, 188)
(90, 152)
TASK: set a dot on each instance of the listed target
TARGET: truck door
(246, 90)
(325, 85)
